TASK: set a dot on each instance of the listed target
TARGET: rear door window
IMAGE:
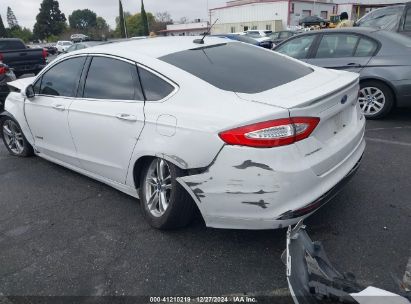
(114, 79)
(337, 46)
(238, 67)
(62, 79)
(407, 22)
(298, 47)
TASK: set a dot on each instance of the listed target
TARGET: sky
(26, 10)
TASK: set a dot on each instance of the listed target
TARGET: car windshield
(238, 67)
(386, 18)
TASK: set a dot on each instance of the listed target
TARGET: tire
(14, 139)
(177, 208)
(376, 99)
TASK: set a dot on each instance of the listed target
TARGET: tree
(3, 33)
(11, 18)
(83, 19)
(101, 24)
(24, 34)
(144, 20)
(183, 20)
(161, 21)
(121, 21)
(50, 21)
(135, 25)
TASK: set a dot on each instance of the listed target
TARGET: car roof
(359, 30)
(153, 47)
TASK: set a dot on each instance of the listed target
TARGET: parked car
(131, 115)
(23, 60)
(6, 75)
(265, 43)
(51, 49)
(313, 21)
(79, 38)
(395, 18)
(382, 58)
(258, 33)
(82, 45)
(62, 46)
(278, 37)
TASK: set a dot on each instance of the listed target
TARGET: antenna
(201, 41)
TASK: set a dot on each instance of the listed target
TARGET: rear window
(11, 45)
(385, 18)
(238, 67)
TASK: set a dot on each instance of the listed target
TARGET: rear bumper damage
(247, 188)
(312, 279)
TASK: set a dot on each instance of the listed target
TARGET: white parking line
(389, 142)
(390, 128)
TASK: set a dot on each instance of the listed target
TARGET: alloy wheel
(371, 100)
(13, 137)
(158, 187)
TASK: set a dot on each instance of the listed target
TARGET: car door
(107, 121)
(47, 112)
(343, 51)
(299, 47)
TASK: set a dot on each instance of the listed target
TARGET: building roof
(235, 3)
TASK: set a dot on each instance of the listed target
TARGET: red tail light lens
(45, 54)
(273, 133)
(3, 70)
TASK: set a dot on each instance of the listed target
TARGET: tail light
(3, 69)
(273, 133)
(45, 54)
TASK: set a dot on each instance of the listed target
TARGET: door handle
(59, 107)
(354, 65)
(128, 117)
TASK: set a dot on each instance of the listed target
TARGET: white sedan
(252, 138)
(62, 46)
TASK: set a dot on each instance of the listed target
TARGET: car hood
(304, 91)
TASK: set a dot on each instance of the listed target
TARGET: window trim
(50, 66)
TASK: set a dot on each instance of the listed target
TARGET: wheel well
(385, 83)
(138, 166)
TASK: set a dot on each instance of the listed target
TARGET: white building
(186, 29)
(358, 8)
(275, 15)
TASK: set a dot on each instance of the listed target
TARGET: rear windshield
(238, 67)
(11, 45)
(385, 18)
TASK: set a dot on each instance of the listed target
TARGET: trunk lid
(331, 96)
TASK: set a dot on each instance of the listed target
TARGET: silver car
(381, 58)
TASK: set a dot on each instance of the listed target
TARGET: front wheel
(14, 139)
(376, 99)
(164, 202)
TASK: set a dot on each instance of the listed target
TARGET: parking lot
(64, 234)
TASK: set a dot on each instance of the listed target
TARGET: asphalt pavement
(64, 234)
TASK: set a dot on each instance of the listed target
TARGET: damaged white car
(253, 139)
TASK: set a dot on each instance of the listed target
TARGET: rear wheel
(376, 99)
(14, 139)
(164, 202)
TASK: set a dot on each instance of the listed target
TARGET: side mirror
(29, 92)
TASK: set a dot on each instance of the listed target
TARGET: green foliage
(50, 21)
(101, 24)
(24, 34)
(3, 32)
(83, 19)
(11, 18)
(122, 28)
(144, 20)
